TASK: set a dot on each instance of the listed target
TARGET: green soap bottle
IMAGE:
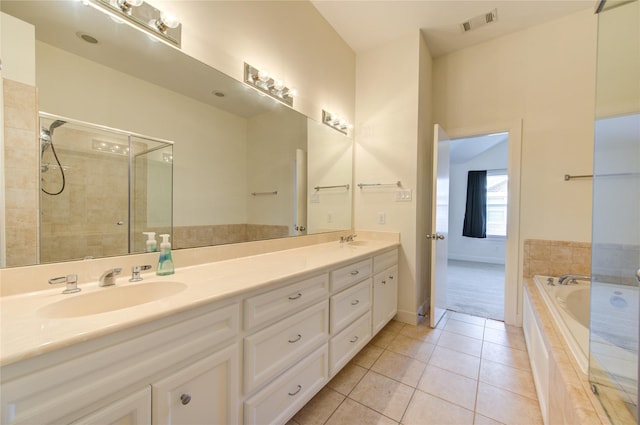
(165, 264)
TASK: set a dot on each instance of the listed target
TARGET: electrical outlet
(403, 195)
(382, 217)
(329, 217)
(315, 198)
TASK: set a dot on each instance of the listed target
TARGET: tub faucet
(562, 280)
(108, 278)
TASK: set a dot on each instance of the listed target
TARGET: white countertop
(26, 333)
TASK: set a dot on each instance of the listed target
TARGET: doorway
(476, 253)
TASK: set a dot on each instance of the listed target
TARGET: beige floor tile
(426, 409)
(507, 407)
(463, 317)
(353, 413)
(455, 361)
(367, 356)
(483, 420)
(347, 379)
(410, 347)
(394, 326)
(399, 367)
(422, 332)
(383, 338)
(495, 324)
(292, 422)
(506, 355)
(319, 408)
(508, 337)
(512, 379)
(382, 394)
(464, 344)
(449, 386)
(464, 328)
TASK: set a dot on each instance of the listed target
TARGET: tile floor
(468, 370)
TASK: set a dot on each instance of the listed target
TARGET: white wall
(289, 38)
(487, 250)
(544, 75)
(389, 147)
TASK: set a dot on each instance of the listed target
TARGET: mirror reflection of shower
(46, 144)
(110, 185)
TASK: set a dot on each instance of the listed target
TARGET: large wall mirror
(241, 166)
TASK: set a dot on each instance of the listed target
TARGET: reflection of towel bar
(568, 177)
(361, 185)
(346, 186)
(275, 192)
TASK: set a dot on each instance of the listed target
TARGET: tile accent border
(555, 258)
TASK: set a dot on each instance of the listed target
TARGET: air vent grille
(480, 20)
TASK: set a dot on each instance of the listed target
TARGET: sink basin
(359, 243)
(110, 299)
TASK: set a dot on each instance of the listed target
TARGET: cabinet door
(132, 410)
(203, 393)
(385, 297)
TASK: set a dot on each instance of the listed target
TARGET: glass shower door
(615, 316)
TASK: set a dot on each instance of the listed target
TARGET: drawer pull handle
(296, 297)
(355, 272)
(355, 302)
(298, 338)
(390, 277)
(185, 399)
(384, 282)
(355, 338)
(296, 391)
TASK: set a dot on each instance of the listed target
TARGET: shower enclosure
(100, 189)
(615, 316)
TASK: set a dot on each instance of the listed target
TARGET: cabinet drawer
(348, 275)
(347, 343)
(349, 304)
(283, 301)
(272, 350)
(279, 401)
(385, 260)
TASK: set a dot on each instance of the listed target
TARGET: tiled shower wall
(21, 173)
(206, 235)
(555, 258)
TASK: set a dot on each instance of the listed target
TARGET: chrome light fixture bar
(272, 86)
(334, 121)
(143, 15)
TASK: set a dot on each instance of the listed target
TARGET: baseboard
(477, 259)
(407, 317)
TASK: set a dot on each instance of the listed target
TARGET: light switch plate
(403, 195)
(382, 217)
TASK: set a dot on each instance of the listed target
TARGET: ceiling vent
(480, 21)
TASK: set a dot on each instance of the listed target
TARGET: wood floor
(476, 289)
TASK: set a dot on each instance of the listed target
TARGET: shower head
(56, 124)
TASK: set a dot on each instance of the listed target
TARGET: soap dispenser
(165, 264)
(151, 245)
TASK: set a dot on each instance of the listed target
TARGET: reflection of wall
(273, 138)
(472, 249)
(330, 157)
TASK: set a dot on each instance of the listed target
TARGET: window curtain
(475, 216)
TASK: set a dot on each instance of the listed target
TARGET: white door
(439, 226)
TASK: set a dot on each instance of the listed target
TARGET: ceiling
(463, 150)
(364, 24)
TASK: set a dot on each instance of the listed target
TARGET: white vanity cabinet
(385, 289)
(131, 410)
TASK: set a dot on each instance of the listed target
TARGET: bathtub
(569, 306)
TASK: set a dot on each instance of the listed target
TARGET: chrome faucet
(348, 238)
(71, 280)
(562, 280)
(135, 272)
(108, 278)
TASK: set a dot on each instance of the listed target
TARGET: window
(497, 197)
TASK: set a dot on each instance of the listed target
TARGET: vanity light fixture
(167, 157)
(109, 147)
(142, 15)
(265, 83)
(334, 121)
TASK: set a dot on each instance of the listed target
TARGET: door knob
(435, 236)
(441, 237)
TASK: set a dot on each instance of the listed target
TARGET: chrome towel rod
(346, 186)
(361, 185)
(275, 192)
(568, 177)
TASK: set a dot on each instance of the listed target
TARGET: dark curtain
(475, 216)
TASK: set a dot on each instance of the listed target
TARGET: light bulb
(292, 93)
(278, 84)
(169, 20)
(263, 75)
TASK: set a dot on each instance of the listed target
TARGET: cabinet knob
(384, 282)
(390, 277)
(185, 399)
